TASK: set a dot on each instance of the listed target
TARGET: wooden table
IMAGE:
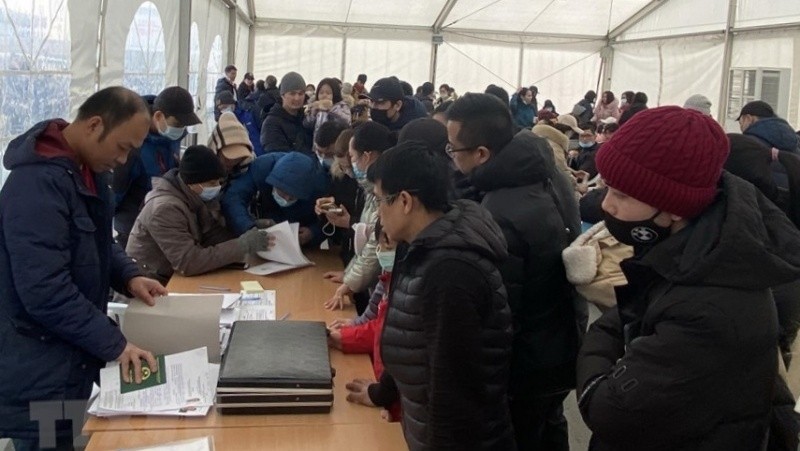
(384, 437)
(300, 293)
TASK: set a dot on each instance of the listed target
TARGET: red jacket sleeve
(359, 339)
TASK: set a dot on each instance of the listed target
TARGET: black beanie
(428, 131)
(199, 164)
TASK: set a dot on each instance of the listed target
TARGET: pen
(285, 316)
(213, 288)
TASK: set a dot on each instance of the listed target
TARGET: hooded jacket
(687, 360)
(558, 142)
(533, 204)
(776, 132)
(57, 261)
(411, 109)
(448, 345)
(284, 132)
(606, 110)
(294, 173)
(177, 231)
(522, 112)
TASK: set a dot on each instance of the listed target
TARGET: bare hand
(335, 339)
(357, 392)
(340, 220)
(146, 289)
(305, 235)
(337, 301)
(339, 323)
(386, 415)
(264, 223)
(334, 276)
(323, 201)
(133, 355)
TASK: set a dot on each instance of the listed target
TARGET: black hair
(443, 107)
(549, 103)
(498, 92)
(610, 96)
(272, 82)
(335, 86)
(628, 96)
(485, 121)
(428, 131)
(249, 76)
(427, 88)
(373, 137)
(640, 97)
(311, 86)
(362, 78)
(590, 95)
(407, 88)
(115, 105)
(229, 68)
(260, 86)
(611, 128)
(328, 132)
(378, 230)
(411, 167)
(445, 86)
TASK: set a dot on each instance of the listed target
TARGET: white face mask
(210, 193)
(172, 133)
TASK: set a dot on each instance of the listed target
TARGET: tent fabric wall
(406, 54)
(242, 38)
(671, 70)
(681, 17)
(470, 64)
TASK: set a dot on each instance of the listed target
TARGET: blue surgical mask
(173, 133)
(358, 173)
(585, 145)
(283, 203)
(386, 259)
(210, 193)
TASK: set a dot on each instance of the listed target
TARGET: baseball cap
(386, 89)
(177, 102)
(757, 108)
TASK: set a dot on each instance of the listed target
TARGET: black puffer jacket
(688, 359)
(283, 132)
(447, 336)
(533, 204)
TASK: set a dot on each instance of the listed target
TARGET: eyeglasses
(389, 198)
(451, 152)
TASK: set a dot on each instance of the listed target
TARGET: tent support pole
(344, 56)
(232, 28)
(726, 62)
(521, 59)
(434, 61)
(184, 41)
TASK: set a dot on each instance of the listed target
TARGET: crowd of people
(474, 232)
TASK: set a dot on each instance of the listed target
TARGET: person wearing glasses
(446, 340)
(534, 205)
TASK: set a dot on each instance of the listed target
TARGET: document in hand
(187, 387)
(285, 255)
(176, 324)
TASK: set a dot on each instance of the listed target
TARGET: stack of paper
(285, 254)
(195, 444)
(184, 385)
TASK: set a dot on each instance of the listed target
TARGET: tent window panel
(145, 54)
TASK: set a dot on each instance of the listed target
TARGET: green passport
(149, 378)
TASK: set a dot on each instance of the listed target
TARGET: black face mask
(379, 116)
(637, 233)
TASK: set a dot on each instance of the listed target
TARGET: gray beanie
(699, 102)
(292, 81)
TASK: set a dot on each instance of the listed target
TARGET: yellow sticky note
(252, 286)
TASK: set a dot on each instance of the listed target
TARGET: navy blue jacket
(283, 132)
(132, 180)
(294, 173)
(776, 132)
(412, 109)
(57, 260)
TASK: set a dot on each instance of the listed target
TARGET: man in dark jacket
(57, 261)
(533, 204)
(584, 109)
(284, 187)
(283, 130)
(392, 108)
(584, 161)
(447, 336)
(688, 359)
(172, 111)
(758, 120)
(425, 96)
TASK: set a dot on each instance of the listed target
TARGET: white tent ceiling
(551, 17)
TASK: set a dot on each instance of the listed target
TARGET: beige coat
(592, 264)
(177, 231)
(363, 270)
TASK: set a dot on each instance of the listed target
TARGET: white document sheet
(285, 255)
(195, 444)
(190, 385)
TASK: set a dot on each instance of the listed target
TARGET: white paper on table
(287, 245)
(267, 268)
(196, 444)
(187, 385)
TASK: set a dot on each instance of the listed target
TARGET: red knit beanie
(669, 157)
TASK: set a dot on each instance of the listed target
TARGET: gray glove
(253, 241)
(264, 223)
